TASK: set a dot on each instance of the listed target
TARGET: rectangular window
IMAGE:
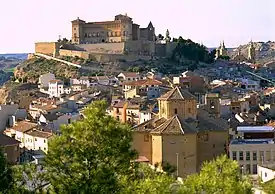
(254, 155)
(241, 155)
(247, 168)
(254, 168)
(262, 156)
(146, 137)
(234, 155)
(247, 155)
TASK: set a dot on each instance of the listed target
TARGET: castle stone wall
(170, 47)
(47, 48)
(72, 53)
(110, 48)
(160, 49)
(115, 57)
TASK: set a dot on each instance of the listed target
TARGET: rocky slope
(265, 51)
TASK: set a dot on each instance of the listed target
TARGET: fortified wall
(103, 52)
(48, 48)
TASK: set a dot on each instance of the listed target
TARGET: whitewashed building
(56, 88)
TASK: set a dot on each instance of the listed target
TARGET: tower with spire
(221, 50)
(251, 52)
(167, 36)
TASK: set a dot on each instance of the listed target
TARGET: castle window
(85, 35)
(146, 137)
(176, 111)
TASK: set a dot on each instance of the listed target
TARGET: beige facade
(181, 135)
(47, 48)
(249, 154)
(121, 29)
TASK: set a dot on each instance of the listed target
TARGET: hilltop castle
(110, 41)
(122, 29)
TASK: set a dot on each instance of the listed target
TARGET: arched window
(176, 111)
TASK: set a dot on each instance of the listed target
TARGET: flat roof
(255, 129)
(251, 141)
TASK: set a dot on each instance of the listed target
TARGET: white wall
(266, 174)
(144, 116)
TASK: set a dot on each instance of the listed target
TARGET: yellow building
(121, 29)
(182, 134)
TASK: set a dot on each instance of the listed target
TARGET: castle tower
(223, 50)
(213, 106)
(167, 36)
(251, 52)
(177, 102)
(77, 31)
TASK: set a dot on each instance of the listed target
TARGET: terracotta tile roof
(271, 124)
(119, 104)
(174, 126)
(142, 159)
(177, 94)
(41, 134)
(149, 125)
(46, 107)
(205, 122)
(24, 126)
(7, 141)
(143, 82)
(130, 74)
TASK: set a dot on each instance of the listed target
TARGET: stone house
(10, 148)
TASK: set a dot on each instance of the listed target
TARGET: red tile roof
(143, 82)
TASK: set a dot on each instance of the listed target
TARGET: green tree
(91, 155)
(28, 173)
(190, 50)
(269, 187)
(5, 174)
(149, 181)
(160, 37)
(220, 176)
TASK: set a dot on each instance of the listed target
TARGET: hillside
(265, 51)
(31, 69)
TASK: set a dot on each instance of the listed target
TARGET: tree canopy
(190, 50)
(220, 176)
(90, 155)
(5, 174)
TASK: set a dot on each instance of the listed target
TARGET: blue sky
(24, 22)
